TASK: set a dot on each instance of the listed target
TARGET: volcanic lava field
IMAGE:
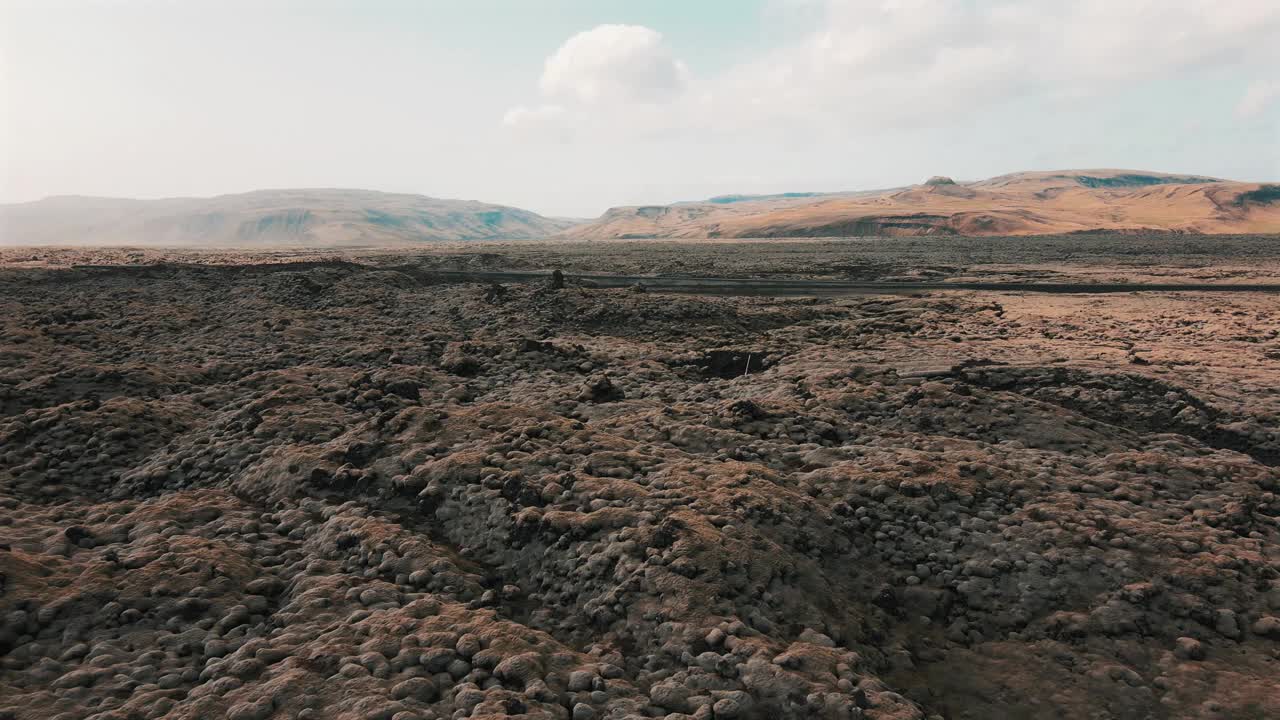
(255, 485)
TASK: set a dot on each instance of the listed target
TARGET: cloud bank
(872, 64)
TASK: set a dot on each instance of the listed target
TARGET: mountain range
(1024, 203)
(1027, 203)
(320, 218)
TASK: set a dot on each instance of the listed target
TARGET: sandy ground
(340, 492)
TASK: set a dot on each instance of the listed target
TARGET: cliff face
(1018, 204)
(295, 217)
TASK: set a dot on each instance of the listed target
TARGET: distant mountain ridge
(1025, 203)
(308, 217)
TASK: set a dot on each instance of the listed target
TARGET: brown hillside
(1018, 204)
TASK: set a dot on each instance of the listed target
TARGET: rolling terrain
(1029, 203)
(258, 486)
(321, 218)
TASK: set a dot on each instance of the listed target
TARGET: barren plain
(301, 484)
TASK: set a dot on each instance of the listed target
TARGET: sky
(569, 107)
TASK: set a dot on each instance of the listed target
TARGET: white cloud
(602, 71)
(1258, 99)
(521, 116)
(614, 64)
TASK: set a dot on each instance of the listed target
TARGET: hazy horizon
(569, 107)
(799, 191)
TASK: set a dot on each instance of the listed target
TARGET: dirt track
(783, 287)
(695, 285)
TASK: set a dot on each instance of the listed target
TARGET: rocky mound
(337, 492)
